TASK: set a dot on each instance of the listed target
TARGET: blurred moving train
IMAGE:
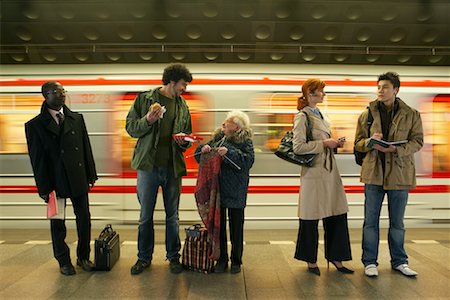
(104, 93)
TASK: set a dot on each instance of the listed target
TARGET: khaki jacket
(321, 193)
(400, 170)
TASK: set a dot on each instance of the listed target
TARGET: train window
(16, 110)
(441, 136)
(274, 114)
(436, 123)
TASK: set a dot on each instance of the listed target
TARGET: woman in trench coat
(322, 194)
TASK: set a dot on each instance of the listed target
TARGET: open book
(385, 144)
(56, 207)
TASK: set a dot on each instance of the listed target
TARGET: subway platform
(29, 271)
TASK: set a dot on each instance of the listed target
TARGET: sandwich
(155, 106)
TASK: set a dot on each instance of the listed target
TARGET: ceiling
(395, 32)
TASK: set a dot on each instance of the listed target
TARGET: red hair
(309, 86)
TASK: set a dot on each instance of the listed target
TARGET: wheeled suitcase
(196, 249)
(107, 249)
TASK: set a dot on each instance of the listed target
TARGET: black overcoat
(61, 158)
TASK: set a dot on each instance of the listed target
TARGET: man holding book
(388, 169)
(63, 166)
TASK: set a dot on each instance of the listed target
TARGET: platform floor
(29, 271)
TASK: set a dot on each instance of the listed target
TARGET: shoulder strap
(369, 121)
(308, 128)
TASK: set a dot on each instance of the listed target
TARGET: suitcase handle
(108, 229)
(194, 230)
(195, 226)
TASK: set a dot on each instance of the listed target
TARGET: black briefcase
(107, 249)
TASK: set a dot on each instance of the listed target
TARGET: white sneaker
(371, 270)
(405, 270)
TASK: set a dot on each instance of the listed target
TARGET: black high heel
(341, 269)
(314, 270)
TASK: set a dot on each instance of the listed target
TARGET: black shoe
(175, 266)
(86, 265)
(235, 269)
(221, 267)
(67, 269)
(315, 270)
(341, 269)
(139, 267)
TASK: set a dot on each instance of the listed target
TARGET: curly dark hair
(176, 72)
(392, 77)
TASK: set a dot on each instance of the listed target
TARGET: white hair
(239, 118)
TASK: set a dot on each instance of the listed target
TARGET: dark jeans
(58, 229)
(397, 200)
(147, 191)
(236, 223)
(337, 240)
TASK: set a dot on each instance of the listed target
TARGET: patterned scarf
(207, 196)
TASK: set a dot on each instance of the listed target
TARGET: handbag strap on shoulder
(308, 128)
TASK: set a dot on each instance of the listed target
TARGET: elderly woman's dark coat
(234, 182)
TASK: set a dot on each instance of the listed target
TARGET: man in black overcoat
(62, 161)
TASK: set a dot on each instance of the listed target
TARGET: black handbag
(286, 148)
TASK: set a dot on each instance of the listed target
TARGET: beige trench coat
(321, 192)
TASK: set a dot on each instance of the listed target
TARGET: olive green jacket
(400, 170)
(144, 155)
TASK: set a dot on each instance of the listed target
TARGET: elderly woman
(322, 194)
(233, 142)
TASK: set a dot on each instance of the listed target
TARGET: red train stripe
(205, 81)
(290, 189)
(192, 173)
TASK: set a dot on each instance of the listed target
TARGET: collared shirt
(53, 113)
(316, 111)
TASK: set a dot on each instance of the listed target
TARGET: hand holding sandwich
(154, 113)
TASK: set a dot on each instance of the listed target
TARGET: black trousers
(236, 223)
(58, 228)
(337, 240)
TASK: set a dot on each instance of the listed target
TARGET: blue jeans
(397, 200)
(148, 184)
